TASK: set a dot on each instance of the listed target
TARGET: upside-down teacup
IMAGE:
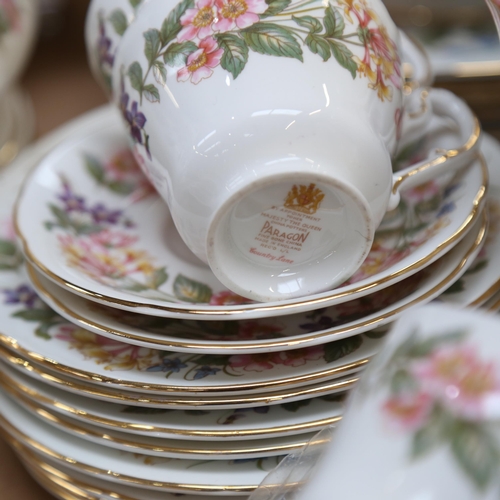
(268, 128)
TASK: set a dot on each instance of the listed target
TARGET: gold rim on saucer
(140, 400)
(311, 303)
(325, 374)
(135, 447)
(55, 481)
(12, 386)
(487, 295)
(339, 331)
(13, 434)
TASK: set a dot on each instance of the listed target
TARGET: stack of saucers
(128, 371)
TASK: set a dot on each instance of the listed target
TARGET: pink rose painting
(440, 389)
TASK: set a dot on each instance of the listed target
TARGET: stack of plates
(128, 371)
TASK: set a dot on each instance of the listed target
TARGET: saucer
(259, 422)
(32, 329)
(164, 447)
(264, 335)
(130, 398)
(203, 477)
(482, 280)
(66, 217)
(61, 480)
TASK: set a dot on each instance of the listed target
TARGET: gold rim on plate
(9, 384)
(285, 307)
(288, 341)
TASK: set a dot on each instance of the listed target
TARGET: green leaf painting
(273, 40)
(235, 53)
(119, 21)
(190, 290)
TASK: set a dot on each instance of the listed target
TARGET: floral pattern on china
(199, 36)
(439, 391)
(101, 242)
(119, 356)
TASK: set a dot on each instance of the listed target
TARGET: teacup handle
(446, 105)
(416, 64)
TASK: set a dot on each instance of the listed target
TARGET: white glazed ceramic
(38, 333)
(200, 477)
(163, 278)
(18, 27)
(482, 280)
(108, 20)
(106, 23)
(101, 392)
(214, 425)
(60, 476)
(270, 188)
(305, 229)
(258, 338)
(52, 373)
(423, 423)
(168, 448)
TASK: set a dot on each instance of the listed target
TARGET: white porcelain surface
(175, 475)
(424, 420)
(203, 425)
(92, 485)
(169, 448)
(481, 281)
(260, 338)
(106, 23)
(36, 332)
(263, 129)
(174, 293)
(130, 398)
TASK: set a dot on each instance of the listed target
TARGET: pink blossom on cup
(459, 379)
(238, 13)
(198, 22)
(380, 49)
(200, 63)
(409, 411)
